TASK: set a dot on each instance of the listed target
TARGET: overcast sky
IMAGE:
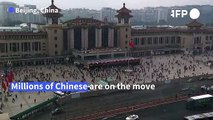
(98, 4)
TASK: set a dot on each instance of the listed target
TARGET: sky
(98, 4)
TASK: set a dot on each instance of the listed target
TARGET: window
(2, 47)
(55, 31)
(167, 40)
(211, 37)
(36, 46)
(161, 40)
(142, 41)
(178, 40)
(126, 36)
(197, 40)
(25, 47)
(56, 45)
(55, 38)
(126, 29)
(207, 37)
(155, 40)
(56, 52)
(183, 41)
(136, 41)
(173, 40)
(149, 41)
(126, 42)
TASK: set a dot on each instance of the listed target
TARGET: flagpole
(128, 57)
(131, 45)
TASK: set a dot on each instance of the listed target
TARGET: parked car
(132, 117)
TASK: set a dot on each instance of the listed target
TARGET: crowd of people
(150, 69)
(154, 68)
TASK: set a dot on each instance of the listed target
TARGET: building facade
(89, 39)
(194, 39)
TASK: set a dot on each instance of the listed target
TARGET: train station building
(91, 39)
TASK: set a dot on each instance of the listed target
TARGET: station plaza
(151, 69)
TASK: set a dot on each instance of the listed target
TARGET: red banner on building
(131, 44)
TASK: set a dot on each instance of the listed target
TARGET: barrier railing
(132, 108)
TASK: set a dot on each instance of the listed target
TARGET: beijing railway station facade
(91, 39)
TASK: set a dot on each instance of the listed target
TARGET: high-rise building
(149, 14)
(137, 16)
(162, 14)
(109, 14)
(80, 12)
(6, 16)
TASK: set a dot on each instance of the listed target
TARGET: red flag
(7, 83)
(4, 85)
(131, 44)
(10, 77)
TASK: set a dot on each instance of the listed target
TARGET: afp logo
(193, 13)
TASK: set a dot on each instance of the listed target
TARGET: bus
(203, 116)
(200, 101)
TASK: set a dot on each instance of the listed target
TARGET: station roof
(52, 6)
(79, 20)
(194, 23)
(123, 12)
(124, 9)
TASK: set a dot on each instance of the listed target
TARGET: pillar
(96, 38)
(5, 48)
(99, 37)
(71, 38)
(111, 38)
(86, 38)
(82, 39)
(8, 49)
